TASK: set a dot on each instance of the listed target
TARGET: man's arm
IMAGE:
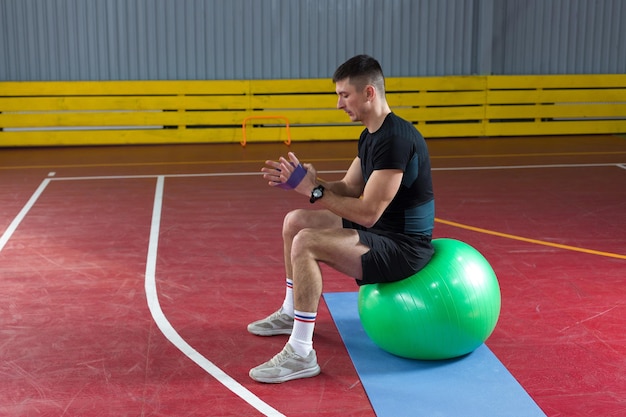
(350, 197)
(378, 193)
(351, 185)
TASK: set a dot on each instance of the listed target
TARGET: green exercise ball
(445, 310)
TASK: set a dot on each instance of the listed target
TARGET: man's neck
(375, 121)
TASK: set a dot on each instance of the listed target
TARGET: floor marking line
(20, 216)
(140, 176)
(168, 330)
(526, 167)
(150, 176)
(517, 155)
(257, 173)
(528, 240)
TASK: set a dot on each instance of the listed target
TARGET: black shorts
(392, 256)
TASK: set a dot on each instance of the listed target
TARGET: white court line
(20, 216)
(526, 167)
(241, 174)
(211, 174)
(168, 330)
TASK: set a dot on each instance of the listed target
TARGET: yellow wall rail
(152, 112)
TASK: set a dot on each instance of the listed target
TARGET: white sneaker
(274, 324)
(285, 366)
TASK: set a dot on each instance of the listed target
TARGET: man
(375, 224)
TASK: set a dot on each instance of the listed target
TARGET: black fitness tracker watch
(316, 194)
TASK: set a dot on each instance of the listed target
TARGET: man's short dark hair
(361, 70)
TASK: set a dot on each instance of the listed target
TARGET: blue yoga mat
(473, 385)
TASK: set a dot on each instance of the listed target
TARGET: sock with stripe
(301, 339)
(288, 303)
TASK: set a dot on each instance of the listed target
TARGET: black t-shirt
(398, 145)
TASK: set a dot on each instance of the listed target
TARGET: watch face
(316, 194)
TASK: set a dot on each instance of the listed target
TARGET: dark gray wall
(265, 39)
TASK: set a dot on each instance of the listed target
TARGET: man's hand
(290, 174)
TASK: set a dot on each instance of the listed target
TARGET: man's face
(351, 100)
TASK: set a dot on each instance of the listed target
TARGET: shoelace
(281, 357)
(277, 316)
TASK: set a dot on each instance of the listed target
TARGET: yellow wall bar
(145, 112)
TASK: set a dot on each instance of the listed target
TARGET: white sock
(288, 303)
(301, 339)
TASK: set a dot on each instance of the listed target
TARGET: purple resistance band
(294, 179)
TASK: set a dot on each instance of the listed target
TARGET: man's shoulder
(401, 125)
(394, 118)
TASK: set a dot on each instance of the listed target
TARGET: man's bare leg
(281, 321)
(308, 246)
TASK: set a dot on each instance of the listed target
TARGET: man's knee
(293, 222)
(303, 240)
(299, 219)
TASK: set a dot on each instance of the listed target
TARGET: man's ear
(370, 92)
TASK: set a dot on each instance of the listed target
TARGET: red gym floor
(104, 312)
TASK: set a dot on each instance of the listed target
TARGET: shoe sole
(305, 373)
(270, 332)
